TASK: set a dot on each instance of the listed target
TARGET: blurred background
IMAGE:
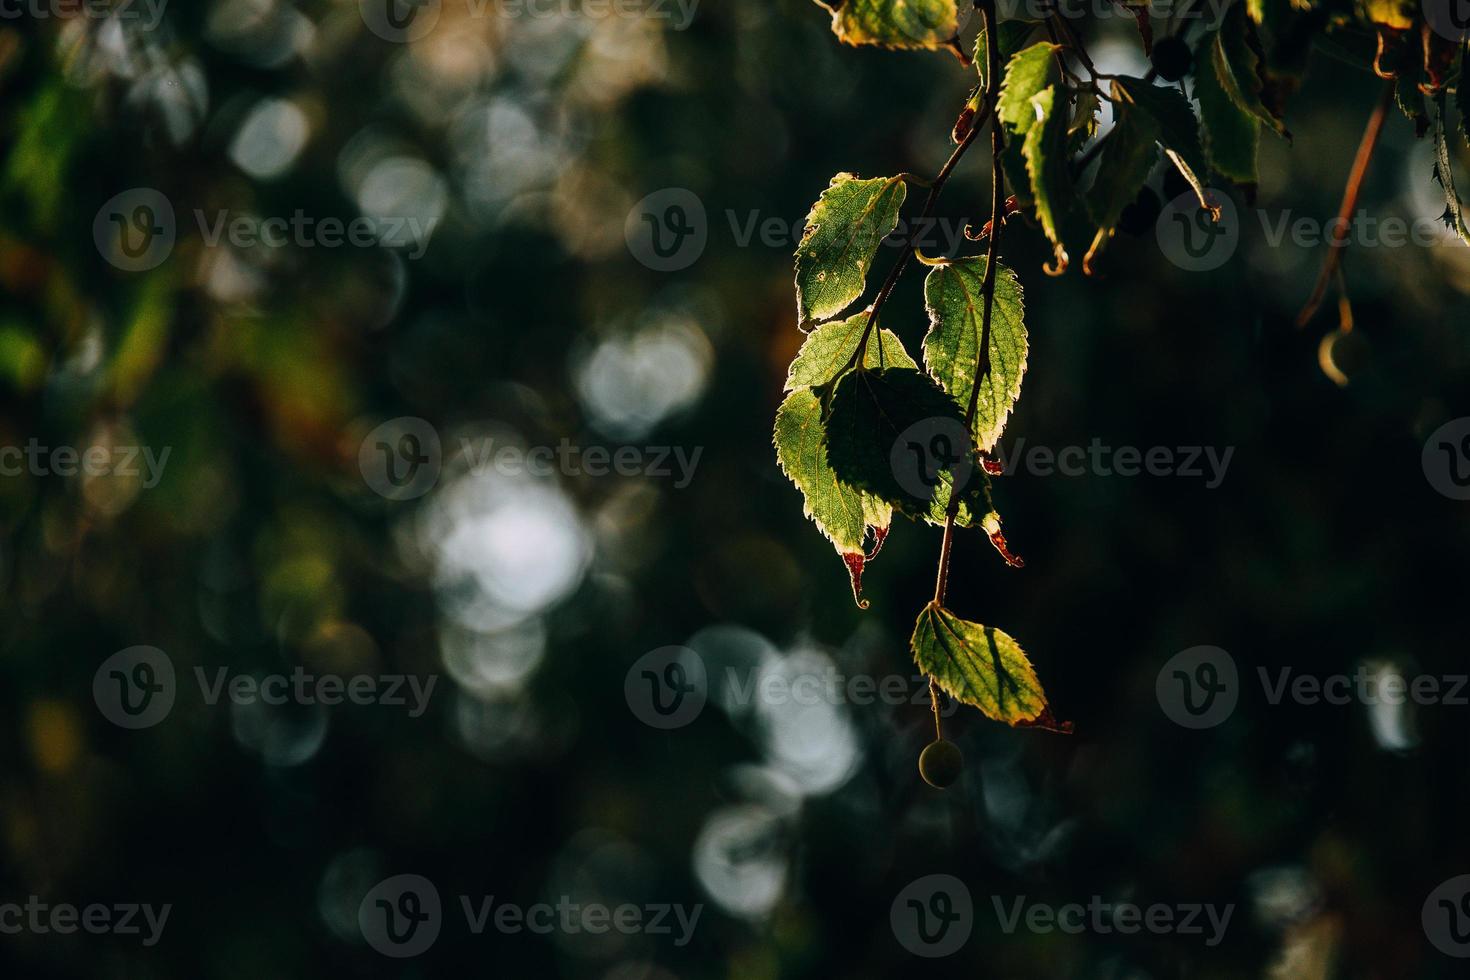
(348, 491)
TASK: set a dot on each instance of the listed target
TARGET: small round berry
(1171, 59)
(941, 763)
(1139, 216)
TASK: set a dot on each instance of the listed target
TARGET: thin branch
(935, 187)
(987, 288)
(1349, 205)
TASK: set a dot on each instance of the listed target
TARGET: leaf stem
(935, 187)
(987, 289)
(1350, 193)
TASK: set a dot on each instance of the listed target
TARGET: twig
(1350, 194)
(935, 187)
(987, 289)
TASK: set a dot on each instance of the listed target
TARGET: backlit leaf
(1232, 136)
(978, 665)
(870, 411)
(842, 513)
(954, 298)
(829, 348)
(894, 23)
(1045, 150)
(842, 235)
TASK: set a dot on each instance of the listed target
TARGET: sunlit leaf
(830, 347)
(894, 23)
(954, 297)
(1028, 72)
(978, 665)
(844, 515)
(1444, 172)
(1012, 34)
(1045, 150)
(842, 235)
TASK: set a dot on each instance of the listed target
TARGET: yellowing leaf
(894, 23)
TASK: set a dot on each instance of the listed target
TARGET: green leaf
(1013, 166)
(842, 235)
(894, 23)
(1027, 73)
(1238, 66)
(954, 297)
(1128, 155)
(1444, 172)
(870, 411)
(1084, 117)
(1232, 135)
(843, 514)
(1045, 150)
(1409, 99)
(1012, 34)
(1178, 128)
(978, 665)
(829, 348)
